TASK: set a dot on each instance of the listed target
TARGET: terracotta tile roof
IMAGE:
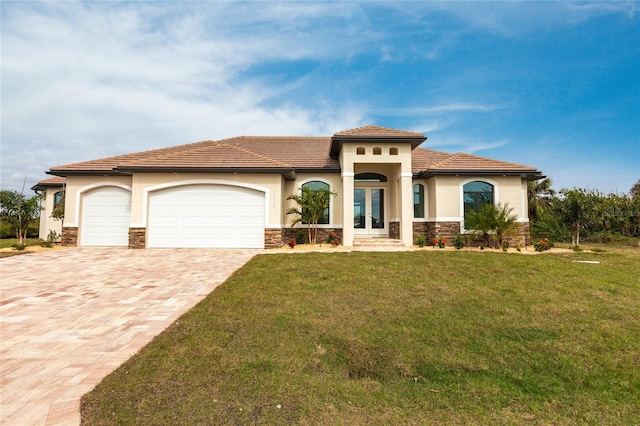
(54, 181)
(378, 131)
(235, 153)
(462, 161)
(283, 154)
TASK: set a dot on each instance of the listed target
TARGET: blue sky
(555, 85)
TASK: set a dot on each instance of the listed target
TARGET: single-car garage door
(207, 216)
(106, 215)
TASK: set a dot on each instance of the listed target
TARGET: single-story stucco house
(232, 193)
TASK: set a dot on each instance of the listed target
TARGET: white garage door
(208, 216)
(106, 214)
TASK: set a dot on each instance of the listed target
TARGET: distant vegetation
(578, 214)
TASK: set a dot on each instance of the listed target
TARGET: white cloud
(88, 80)
(463, 144)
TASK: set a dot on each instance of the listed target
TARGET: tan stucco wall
(445, 195)
(77, 185)
(336, 208)
(47, 223)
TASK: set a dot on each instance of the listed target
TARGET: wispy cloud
(463, 144)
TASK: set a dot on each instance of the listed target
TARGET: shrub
(505, 245)
(19, 246)
(53, 236)
(300, 237)
(542, 245)
(421, 241)
(47, 244)
(458, 242)
(440, 242)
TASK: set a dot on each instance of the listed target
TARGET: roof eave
(287, 173)
(524, 174)
(65, 173)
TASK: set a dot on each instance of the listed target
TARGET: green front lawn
(9, 242)
(424, 337)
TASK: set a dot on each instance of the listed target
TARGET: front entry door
(368, 211)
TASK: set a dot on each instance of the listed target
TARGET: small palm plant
(493, 221)
(312, 206)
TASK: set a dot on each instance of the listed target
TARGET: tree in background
(635, 190)
(312, 205)
(577, 210)
(539, 195)
(18, 211)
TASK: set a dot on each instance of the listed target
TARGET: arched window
(393, 151)
(315, 186)
(377, 151)
(360, 150)
(57, 198)
(418, 201)
(369, 177)
(476, 195)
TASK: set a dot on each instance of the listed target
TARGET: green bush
(18, 246)
(542, 245)
(458, 242)
(421, 241)
(300, 237)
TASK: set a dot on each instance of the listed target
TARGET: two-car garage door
(207, 215)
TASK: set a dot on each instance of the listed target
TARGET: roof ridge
(444, 160)
(259, 155)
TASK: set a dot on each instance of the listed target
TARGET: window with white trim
(315, 186)
(476, 195)
(418, 201)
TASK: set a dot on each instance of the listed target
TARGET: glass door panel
(369, 211)
(359, 208)
(377, 208)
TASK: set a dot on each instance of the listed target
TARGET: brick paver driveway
(69, 317)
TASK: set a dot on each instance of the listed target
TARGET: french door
(369, 211)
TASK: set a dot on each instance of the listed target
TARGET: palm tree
(493, 220)
(539, 194)
(482, 222)
(504, 222)
(312, 206)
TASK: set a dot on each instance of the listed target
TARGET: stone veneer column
(447, 230)
(69, 237)
(137, 238)
(394, 230)
(273, 238)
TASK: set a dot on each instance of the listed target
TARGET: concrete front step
(377, 242)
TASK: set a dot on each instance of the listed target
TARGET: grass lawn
(423, 337)
(7, 243)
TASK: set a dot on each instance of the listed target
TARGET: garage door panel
(106, 214)
(215, 216)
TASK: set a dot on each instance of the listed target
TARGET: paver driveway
(69, 317)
